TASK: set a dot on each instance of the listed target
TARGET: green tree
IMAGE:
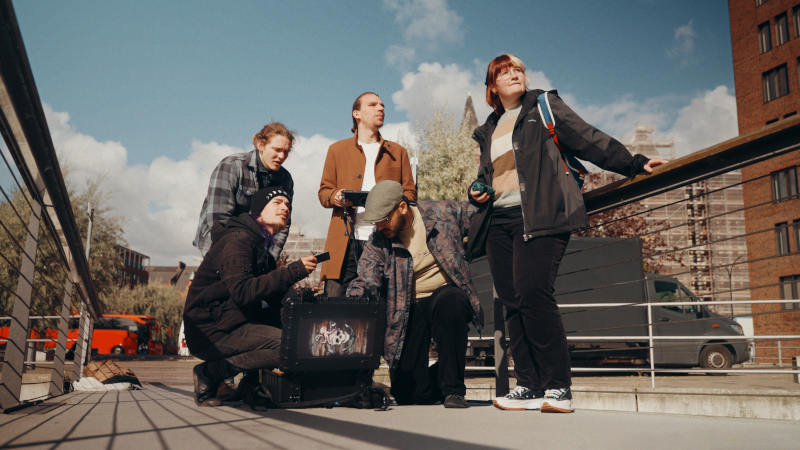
(448, 159)
(163, 302)
(628, 221)
(50, 270)
(105, 263)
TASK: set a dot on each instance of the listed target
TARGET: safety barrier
(43, 267)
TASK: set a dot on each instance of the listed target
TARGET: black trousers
(524, 276)
(337, 288)
(444, 316)
(248, 347)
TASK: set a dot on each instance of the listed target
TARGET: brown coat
(344, 169)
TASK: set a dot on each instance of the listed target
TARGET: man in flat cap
(225, 318)
(416, 260)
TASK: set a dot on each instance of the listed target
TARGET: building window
(796, 228)
(782, 238)
(781, 29)
(764, 38)
(784, 184)
(760, 2)
(790, 288)
(796, 20)
(776, 83)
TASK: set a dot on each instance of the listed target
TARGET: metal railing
(652, 342)
(45, 271)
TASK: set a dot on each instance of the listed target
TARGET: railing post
(57, 374)
(30, 353)
(19, 329)
(650, 339)
(81, 344)
(780, 354)
(500, 345)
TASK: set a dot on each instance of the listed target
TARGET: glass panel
(782, 238)
(687, 296)
(795, 292)
(782, 81)
(786, 288)
(764, 38)
(796, 20)
(781, 29)
(667, 292)
(791, 176)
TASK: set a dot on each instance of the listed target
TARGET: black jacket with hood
(551, 200)
(236, 275)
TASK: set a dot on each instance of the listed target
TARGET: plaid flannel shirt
(233, 182)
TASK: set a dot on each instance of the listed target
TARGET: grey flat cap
(382, 199)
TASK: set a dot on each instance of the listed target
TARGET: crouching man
(415, 259)
(235, 292)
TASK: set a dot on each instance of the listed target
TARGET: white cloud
(682, 43)
(426, 24)
(400, 132)
(621, 116)
(436, 86)
(708, 119)
(161, 202)
(433, 86)
(305, 164)
(399, 55)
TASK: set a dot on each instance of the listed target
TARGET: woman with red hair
(530, 203)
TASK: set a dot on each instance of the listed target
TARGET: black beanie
(263, 196)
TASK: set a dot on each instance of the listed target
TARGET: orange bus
(118, 334)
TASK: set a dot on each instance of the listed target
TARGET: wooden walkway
(162, 416)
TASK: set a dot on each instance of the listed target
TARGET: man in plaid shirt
(237, 177)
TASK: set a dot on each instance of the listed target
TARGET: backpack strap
(549, 123)
(571, 165)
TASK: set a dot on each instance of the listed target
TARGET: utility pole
(730, 280)
(90, 211)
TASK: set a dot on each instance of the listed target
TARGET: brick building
(765, 39)
(133, 270)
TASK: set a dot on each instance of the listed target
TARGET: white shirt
(364, 229)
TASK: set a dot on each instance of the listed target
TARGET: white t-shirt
(364, 229)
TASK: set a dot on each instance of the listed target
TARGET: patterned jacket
(386, 268)
(233, 182)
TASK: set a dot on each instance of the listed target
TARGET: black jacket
(551, 201)
(235, 276)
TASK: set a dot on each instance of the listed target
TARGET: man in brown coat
(357, 164)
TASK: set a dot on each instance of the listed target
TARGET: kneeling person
(225, 314)
(416, 257)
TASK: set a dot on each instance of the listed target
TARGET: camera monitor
(357, 198)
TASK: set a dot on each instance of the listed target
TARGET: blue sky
(150, 95)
